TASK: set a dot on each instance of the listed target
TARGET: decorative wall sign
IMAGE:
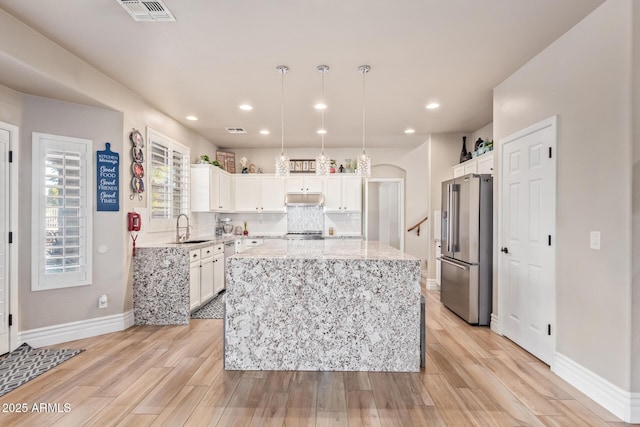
(302, 166)
(137, 167)
(108, 182)
(227, 161)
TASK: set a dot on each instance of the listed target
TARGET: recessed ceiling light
(433, 106)
(320, 106)
(246, 107)
(322, 131)
(264, 132)
(192, 118)
(410, 131)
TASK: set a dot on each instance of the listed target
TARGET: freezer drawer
(459, 289)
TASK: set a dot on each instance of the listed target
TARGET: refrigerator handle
(449, 216)
(454, 218)
(461, 267)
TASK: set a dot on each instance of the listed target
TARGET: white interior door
(527, 224)
(4, 240)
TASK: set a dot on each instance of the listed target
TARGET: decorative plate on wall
(137, 169)
(136, 138)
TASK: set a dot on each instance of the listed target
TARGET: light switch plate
(594, 240)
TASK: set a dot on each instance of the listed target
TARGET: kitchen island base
(323, 305)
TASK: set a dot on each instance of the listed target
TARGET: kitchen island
(331, 305)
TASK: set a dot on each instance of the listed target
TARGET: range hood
(308, 199)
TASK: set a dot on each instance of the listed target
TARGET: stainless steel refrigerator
(467, 242)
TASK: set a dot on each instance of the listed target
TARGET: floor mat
(25, 363)
(214, 309)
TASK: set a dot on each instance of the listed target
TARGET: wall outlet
(594, 240)
(102, 301)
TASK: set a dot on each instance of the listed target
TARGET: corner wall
(584, 77)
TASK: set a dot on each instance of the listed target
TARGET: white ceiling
(220, 54)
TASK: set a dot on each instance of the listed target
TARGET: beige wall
(635, 260)
(584, 77)
(24, 51)
(414, 161)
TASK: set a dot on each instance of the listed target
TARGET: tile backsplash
(305, 218)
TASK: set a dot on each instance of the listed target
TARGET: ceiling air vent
(236, 130)
(147, 11)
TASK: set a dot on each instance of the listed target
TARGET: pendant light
(323, 163)
(363, 161)
(282, 161)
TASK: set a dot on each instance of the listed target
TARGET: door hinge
(10, 319)
(549, 329)
(549, 239)
(550, 155)
(11, 237)
(10, 156)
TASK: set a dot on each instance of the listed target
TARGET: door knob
(505, 250)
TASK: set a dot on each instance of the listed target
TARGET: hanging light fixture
(282, 161)
(363, 161)
(322, 161)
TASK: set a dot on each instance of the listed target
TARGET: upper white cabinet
(259, 193)
(482, 164)
(210, 189)
(343, 194)
(305, 184)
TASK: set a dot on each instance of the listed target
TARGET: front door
(526, 259)
(4, 240)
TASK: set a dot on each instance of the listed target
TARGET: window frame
(166, 224)
(40, 281)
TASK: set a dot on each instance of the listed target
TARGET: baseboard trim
(432, 285)
(621, 403)
(495, 326)
(65, 332)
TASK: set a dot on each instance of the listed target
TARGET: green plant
(207, 159)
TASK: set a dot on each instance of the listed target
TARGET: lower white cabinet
(194, 279)
(206, 274)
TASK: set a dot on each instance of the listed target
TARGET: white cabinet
(218, 273)
(207, 267)
(485, 163)
(194, 279)
(305, 184)
(210, 189)
(259, 194)
(482, 164)
(343, 194)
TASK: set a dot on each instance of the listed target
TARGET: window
(169, 180)
(61, 212)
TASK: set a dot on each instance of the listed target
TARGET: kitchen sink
(194, 241)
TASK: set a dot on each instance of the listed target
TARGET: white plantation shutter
(62, 189)
(169, 179)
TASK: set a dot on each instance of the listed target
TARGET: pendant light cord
(283, 71)
(363, 69)
(322, 116)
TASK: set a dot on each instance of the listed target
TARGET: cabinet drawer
(207, 252)
(218, 249)
(194, 255)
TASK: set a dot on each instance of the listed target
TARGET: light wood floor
(173, 376)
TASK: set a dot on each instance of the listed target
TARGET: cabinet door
(470, 166)
(218, 274)
(272, 194)
(194, 286)
(206, 279)
(295, 184)
(246, 194)
(458, 171)
(352, 194)
(199, 189)
(313, 184)
(333, 194)
(224, 191)
(485, 164)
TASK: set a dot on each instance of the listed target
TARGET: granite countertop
(207, 241)
(325, 249)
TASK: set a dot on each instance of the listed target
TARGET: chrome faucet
(179, 237)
